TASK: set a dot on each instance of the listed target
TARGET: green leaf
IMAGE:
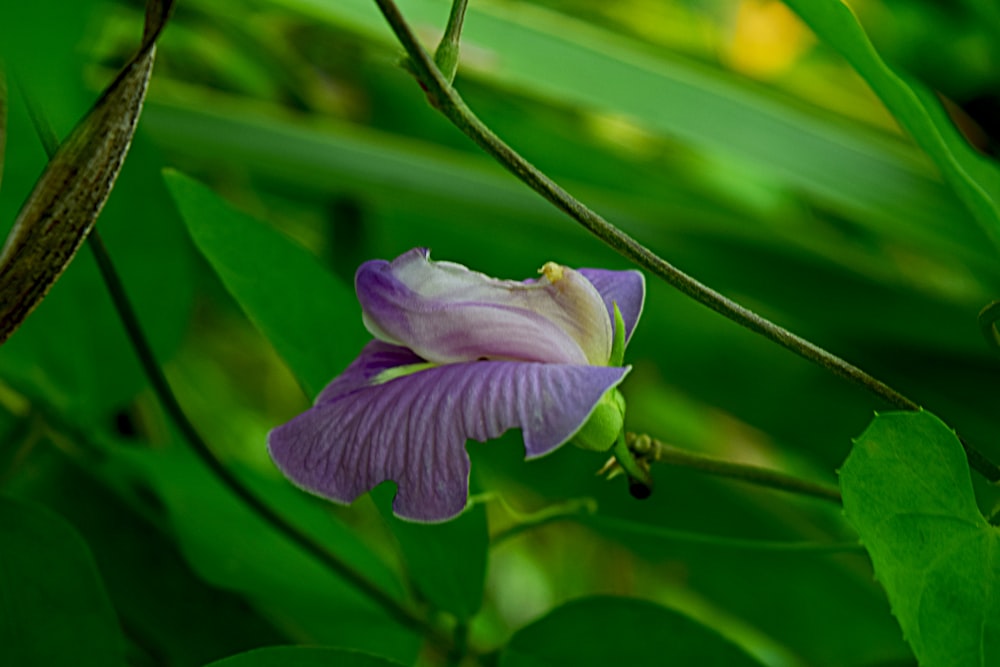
(310, 317)
(302, 656)
(973, 177)
(53, 607)
(603, 631)
(445, 561)
(908, 492)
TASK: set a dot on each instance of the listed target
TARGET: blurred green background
(723, 134)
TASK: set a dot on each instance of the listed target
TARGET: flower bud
(604, 425)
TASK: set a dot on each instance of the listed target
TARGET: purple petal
(375, 358)
(626, 288)
(413, 429)
(448, 314)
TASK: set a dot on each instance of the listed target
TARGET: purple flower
(460, 355)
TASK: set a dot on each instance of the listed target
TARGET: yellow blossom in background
(767, 39)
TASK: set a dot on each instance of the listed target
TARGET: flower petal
(413, 429)
(375, 358)
(626, 288)
(448, 314)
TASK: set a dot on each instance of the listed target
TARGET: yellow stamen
(552, 271)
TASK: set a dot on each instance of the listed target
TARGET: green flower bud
(605, 423)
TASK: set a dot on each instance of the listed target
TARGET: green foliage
(832, 192)
(54, 606)
(907, 491)
(605, 630)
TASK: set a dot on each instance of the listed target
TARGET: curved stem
(442, 96)
(523, 522)
(649, 449)
(147, 359)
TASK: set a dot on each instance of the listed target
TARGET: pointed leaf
(69, 196)
(908, 492)
(310, 317)
(53, 606)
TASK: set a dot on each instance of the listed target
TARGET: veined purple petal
(626, 288)
(413, 429)
(448, 314)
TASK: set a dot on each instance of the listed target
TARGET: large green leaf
(53, 606)
(309, 316)
(908, 492)
(603, 631)
(303, 656)
(973, 177)
(445, 561)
